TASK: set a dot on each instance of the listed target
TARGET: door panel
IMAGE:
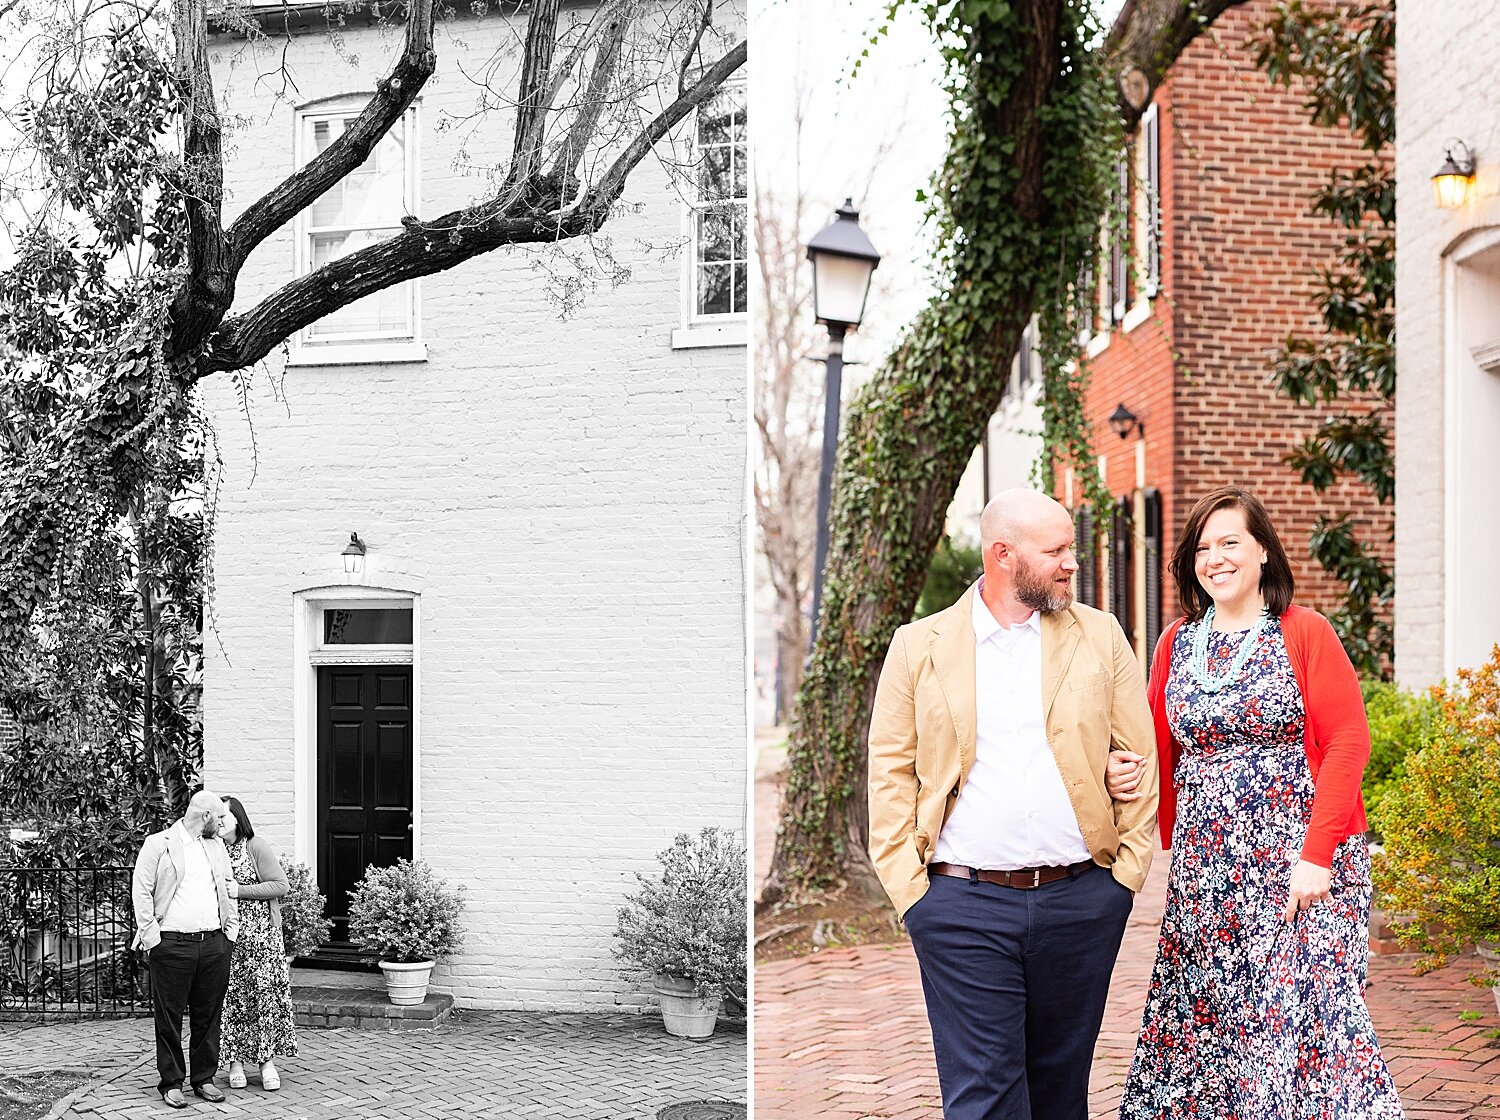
(364, 779)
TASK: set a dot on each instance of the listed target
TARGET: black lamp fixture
(1123, 422)
(354, 556)
(843, 261)
(1451, 184)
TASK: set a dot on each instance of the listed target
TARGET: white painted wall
(1447, 407)
(567, 500)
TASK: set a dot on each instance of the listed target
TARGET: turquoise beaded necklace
(1198, 662)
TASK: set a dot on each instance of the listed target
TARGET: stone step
(369, 1008)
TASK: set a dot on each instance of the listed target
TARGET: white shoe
(269, 1078)
(236, 1075)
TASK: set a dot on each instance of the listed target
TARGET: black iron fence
(65, 936)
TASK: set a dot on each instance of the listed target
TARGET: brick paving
(843, 1034)
(478, 1064)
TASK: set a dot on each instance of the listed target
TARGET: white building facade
(1447, 612)
(539, 677)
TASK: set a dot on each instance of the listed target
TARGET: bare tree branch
(1146, 39)
(424, 248)
(606, 61)
(532, 104)
(692, 51)
(393, 96)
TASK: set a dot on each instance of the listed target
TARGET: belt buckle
(1036, 877)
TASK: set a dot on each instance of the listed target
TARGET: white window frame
(355, 348)
(1148, 221)
(728, 328)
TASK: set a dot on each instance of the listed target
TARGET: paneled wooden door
(365, 779)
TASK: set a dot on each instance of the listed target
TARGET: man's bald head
(1017, 514)
(203, 812)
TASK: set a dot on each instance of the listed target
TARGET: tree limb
(533, 102)
(606, 60)
(424, 248)
(393, 96)
(1146, 39)
(202, 301)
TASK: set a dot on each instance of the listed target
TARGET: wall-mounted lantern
(1451, 184)
(354, 556)
(1122, 421)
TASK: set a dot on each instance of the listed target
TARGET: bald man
(186, 919)
(990, 825)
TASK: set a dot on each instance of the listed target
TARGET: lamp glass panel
(1451, 190)
(841, 284)
(377, 626)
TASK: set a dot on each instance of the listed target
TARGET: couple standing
(1014, 792)
(204, 892)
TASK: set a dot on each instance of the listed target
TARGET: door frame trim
(307, 606)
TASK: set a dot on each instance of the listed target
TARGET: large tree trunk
(913, 429)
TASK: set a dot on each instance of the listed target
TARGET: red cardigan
(1336, 736)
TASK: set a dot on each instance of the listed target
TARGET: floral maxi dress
(257, 1024)
(1250, 1017)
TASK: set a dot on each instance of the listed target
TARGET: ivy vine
(1016, 207)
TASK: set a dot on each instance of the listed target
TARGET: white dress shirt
(1014, 810)
(195, 905)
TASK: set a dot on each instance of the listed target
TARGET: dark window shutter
(1151, 515)
(1083, 548)
(1121, 550)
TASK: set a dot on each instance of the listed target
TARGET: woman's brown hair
(1275, 577)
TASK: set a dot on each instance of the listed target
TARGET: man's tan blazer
(922, 733)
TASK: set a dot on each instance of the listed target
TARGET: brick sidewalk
(480, 1064)
(829, 1028)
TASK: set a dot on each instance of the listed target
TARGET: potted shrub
(1439, 820)
(303, 926)
(409, 916)
(687, 928)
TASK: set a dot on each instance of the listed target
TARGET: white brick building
(1448, 353)
(559, 505)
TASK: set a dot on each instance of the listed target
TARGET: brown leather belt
(1026, 879)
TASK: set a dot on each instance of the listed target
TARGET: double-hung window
(718, 267)
(1148, 221)
(364, 208)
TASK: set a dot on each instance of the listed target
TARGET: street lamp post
(843, 260)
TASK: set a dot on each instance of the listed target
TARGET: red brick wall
(1239, 164)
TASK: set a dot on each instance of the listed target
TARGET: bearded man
(990, 825)
(186, 919)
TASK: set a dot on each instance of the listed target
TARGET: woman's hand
(1122, 775)
(1310, 887)
(232, 886)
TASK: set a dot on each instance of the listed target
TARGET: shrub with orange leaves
(1440, 823)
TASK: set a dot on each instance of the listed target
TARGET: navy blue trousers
(1016, 982)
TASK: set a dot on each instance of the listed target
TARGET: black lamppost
(843, 260)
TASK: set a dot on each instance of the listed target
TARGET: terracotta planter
(406, 984)
(684, 1012)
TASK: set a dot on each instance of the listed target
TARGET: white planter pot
(406, 984)
(684, 1013)
(1489, 953)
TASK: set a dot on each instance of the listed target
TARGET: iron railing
(65, 937)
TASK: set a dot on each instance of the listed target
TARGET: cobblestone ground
(480, 1064)
(843, 1034)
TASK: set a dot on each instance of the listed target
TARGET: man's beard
(210, 828)
(1039, 593)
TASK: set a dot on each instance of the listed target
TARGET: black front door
(364, 778)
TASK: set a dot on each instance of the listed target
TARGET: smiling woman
(1261, 732)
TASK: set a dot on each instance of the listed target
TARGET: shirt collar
(986, 626)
